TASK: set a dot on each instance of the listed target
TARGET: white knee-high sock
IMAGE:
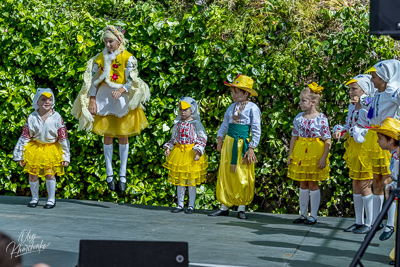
(391, 214)
(378, 202)
(358, 208)
(123, 156)
(315, 199)
(304, 196)
(34, 186)
(181, 195)
(51, 189)
(224, 207)
(108, 155)
(368, 205)
(192, 195)
(242, 208)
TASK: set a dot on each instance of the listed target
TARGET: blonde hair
(313, 96)
(114, 33)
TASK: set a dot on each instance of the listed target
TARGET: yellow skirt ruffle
(380, 159)
(129, 125)
(360, 167)
(183, 170)
(305, 157)
(43, 159)
(234, 188)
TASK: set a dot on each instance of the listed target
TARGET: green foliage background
(186, 49)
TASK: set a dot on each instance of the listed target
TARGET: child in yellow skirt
(388, 139)
(236, 177)
(308, 155)
(385, 103)
(111, 98)
(361, 89)
(186, 161)
(43, 147)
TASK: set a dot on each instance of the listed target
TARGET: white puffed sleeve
(201, 138)
(255, 115)
(170, 144)
(18, 153)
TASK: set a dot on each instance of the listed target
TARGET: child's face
(355, 91)
(45, 103)
(185, 113)
(111, 44)
(239, 95)
(383, 142)
(306, 103)
(378, 82)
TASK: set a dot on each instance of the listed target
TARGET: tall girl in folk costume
(186, 161)
(110, 101)
(43, 147)
(385, 103)
(359, 165)
(308, 154)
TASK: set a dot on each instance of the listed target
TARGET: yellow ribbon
(315, 87)
(307, 141)
(184, 147)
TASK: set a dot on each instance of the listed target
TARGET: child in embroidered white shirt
(186, 161)
(308, 160)
(43, 148)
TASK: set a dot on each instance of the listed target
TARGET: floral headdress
(115, 32)
(315, 87)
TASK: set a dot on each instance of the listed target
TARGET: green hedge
(184, 50)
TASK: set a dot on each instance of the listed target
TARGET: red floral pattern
(114, 77)
(62, 133)
(186, 135)
(311, 128)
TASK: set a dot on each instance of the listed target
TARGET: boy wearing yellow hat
(235, 185)
(388, 139)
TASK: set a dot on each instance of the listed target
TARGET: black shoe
(302, 219)
(363, 230)
(310, 222)
(49, 206)
(220, 213)
(387, 235)
(189, 210)
(242, 215)
(391, 262)
(122, 186)
(353, 228)
(177, 209)
(380, 227)
(111, 185)
(33, 204)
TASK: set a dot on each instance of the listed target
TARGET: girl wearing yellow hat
(111, 100)
(361, 89)
(186, 161)
(235, 184)
(308, 160)
(43, 147)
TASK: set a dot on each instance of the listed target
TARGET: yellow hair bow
(315, 87)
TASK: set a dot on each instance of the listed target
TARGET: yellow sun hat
(371, 70)
(47, 94)
(315, 87)
(185, 105)
(243, 82)
(389, 127)
(352, 81)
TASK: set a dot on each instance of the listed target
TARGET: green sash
(237, 131)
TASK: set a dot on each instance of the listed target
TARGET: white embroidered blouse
(250, 115)
(51, 131)
(351, 126)
(311, 128)
(187, 133)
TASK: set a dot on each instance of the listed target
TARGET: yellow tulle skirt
(380, 159)
(360, 166)
(234, 188)
(129, 125)
(305, 157)
(43, 159)
(183, 170)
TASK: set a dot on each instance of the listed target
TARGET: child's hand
(289, 160)
(92, 106)
(219, 145)
(117, 93)
(167, 151)
(65, 163)
(21, 163)
(197, 156)
(250, 156)
(322, 163)
(337, 135)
